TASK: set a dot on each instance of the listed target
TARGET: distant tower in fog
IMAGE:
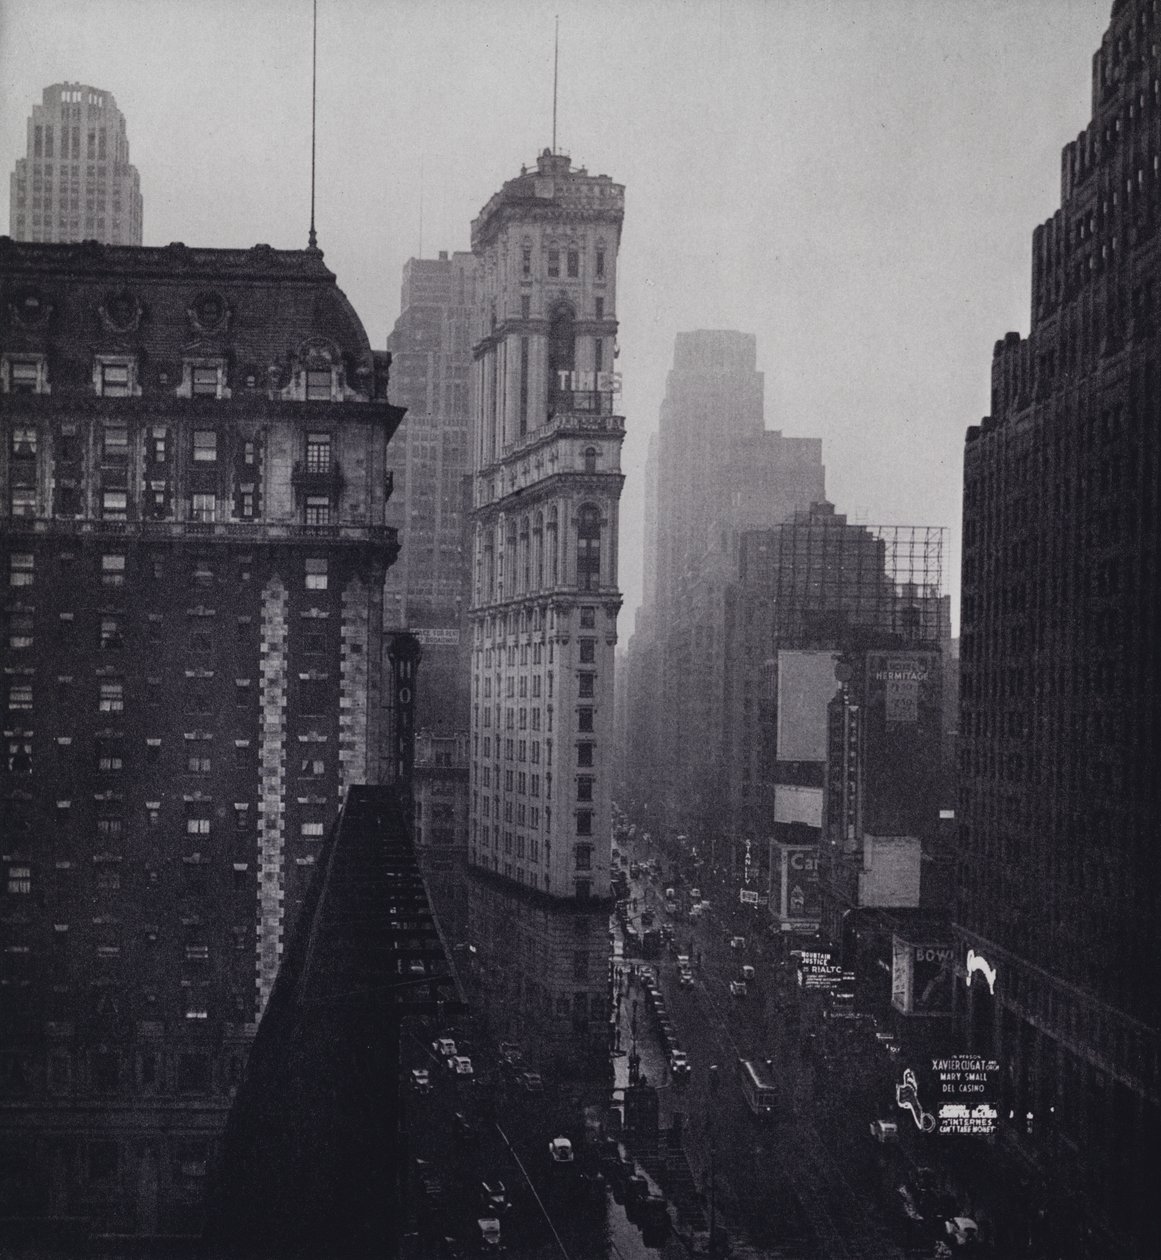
(547, 464)
(76, 182)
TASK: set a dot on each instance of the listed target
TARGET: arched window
(525, 557)
(590, 459)
(588, 548)
(561, 356)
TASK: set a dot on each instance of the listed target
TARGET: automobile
(695, 894)
(461, 1065)
(560, 1148)
(532, 1082)
(738, 988)
(884, 1130)
(489, 1234)
(747, 973)
(678, 1060)
(444, 1048)
(508, 1050)
(494, 1198)
(737, 942)
(421, 1080)
(685, 977)
(963, 1229)
(670, 895)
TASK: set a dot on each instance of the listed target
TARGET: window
(205, 381)
(158, 445)
(584, 857)
(24, 376)
(318, 452)
(19, 694)
(198, 765)
(599, 304)
(246, 509)
(573, 264)
(114, 505)
(319, 384)
(316, 573)
(318, 509)
(525, 307)
(588, 547)
(19, 631)
(312, 768)
(203, 507)
(20, 568)
(116, 442)
(584, 720)
(23, 442)
(312, 831)
(197, 826)
(588, 618)
(600, 264)
(584, 789)
(111, 633)
(23, 501)
(590, 459)
(205, 446)
(526, 262)
(112, 698)
(585, 686)
(112, 569)
(114, 380)
(554, 262)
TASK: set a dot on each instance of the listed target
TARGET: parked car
(421, 1080)
(494, 1199)
(489, 1234)
(747, 973)
(962, 1229)
(444, 1048)
(737, 942)
(560, 1148)
(884, 1130)
(695, 894)
(737, 988)
(461, 1065)
(532, 1083)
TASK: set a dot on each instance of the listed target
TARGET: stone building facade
(546, 459)
(195, 474)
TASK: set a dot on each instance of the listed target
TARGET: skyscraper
(546, 458)
(76, 181)
(719, 472)
(1060, 660)
(193, 544)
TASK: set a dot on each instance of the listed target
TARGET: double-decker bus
(758, 1087)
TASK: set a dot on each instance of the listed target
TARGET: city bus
(758, 1086)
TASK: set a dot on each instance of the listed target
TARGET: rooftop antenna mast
(312, 239)
(555, 64)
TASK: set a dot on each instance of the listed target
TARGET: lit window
(318, 452)
(19, 695)
(205, 446)
(318, 509)
(112, 698)
(160, 438)
(198, 765)
(24, 376)
(312, 830)
(114, 380)
(316, 573)
(110, 633)
(19, 631)
(23, 442)
(20, 569)
(112, 570)
(197, 826)
(203, 507)
(23, 501)
(318, 385)
(19, 880)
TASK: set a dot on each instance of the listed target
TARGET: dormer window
(319, 383)
(318, 452)
(203, 378)
(205, 446)
(205, 382)
(115, 376)
(24, 374)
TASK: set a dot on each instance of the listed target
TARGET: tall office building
(1060, 661)
(428, 589)
(193, 545)
(720, 472)
(547, 457)
(76, 182)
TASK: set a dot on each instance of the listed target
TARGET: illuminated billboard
(969, 1087)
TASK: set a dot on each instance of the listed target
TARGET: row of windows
(571, 260)
(22, 570)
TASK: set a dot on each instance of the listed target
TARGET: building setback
(1060, 658)
(194, 470)
(75, 181)
(546, 458)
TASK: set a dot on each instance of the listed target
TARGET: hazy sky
(856, 182)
